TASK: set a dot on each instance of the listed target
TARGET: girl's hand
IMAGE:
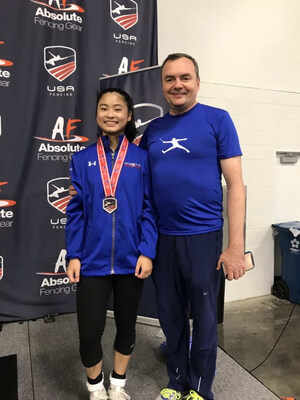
(73, 270)
(143, 267)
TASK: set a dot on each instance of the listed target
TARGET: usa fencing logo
(58, 193)
(1, 267)
(59, 61)
(144, 114)
(124, 13)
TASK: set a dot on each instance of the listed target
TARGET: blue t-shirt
(184, 152)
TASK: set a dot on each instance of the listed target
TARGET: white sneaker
(116, 389)
(98, 391)
(99, 395)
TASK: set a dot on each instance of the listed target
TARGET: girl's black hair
(130, 130)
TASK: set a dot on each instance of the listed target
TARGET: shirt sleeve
(74, 231)
(228, 141)
(143, 142)
(147, 246)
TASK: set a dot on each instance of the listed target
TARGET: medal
(110, 203)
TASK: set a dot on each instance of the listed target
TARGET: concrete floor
(250, 331)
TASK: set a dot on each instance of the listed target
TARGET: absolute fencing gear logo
(57, 282)
(4, 73)
(59, 61)
(58, 193)
(64, 142)
(59, 5)
(6, 203)
(124, 13)
(6, 216)
(1, 267)
(57, 14)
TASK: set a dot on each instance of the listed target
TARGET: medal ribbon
(110, 183)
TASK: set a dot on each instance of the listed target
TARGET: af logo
(57, 282)
(59, 5)
(59, 61)
(61, 135)
(58, 193)
(6, 203)
(124, 13)
(1, 267)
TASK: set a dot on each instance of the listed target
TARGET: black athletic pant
(93, 294)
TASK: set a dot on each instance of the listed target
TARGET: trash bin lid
(287, 226)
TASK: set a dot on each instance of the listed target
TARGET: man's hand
(143, 267)
(72, 191)
(233, 260)
(73, 270)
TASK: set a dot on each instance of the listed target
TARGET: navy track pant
(187, 285)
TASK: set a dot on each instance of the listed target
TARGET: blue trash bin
(289, 241)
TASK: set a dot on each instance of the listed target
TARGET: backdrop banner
(52, 54)
(144, 86)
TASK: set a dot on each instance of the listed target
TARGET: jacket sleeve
(75, 223)
(149, 233)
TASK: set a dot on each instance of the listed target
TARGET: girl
(111, 238)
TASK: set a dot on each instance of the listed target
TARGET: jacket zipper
(112, 270)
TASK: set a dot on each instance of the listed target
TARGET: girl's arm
(75, 223)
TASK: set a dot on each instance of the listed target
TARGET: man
(189, 148)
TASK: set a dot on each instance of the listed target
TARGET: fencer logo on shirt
(174, 144)
(124, 13)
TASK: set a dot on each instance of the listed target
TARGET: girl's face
(112, 114)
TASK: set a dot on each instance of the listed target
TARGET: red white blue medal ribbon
(110, 183)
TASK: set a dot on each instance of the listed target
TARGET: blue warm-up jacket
(110, 243)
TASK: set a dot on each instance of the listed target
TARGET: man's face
(180, 85)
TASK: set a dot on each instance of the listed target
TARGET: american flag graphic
(63, 71)
(126, 21)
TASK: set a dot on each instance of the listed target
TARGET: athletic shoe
(169, 394)
(97, 391)
(192, 396)
(99, 395)
(117, 393)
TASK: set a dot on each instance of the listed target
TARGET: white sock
(97, 386)
(117, 382)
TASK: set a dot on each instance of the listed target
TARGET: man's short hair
(176, 56)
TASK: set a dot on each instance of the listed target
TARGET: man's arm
(233, 257)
